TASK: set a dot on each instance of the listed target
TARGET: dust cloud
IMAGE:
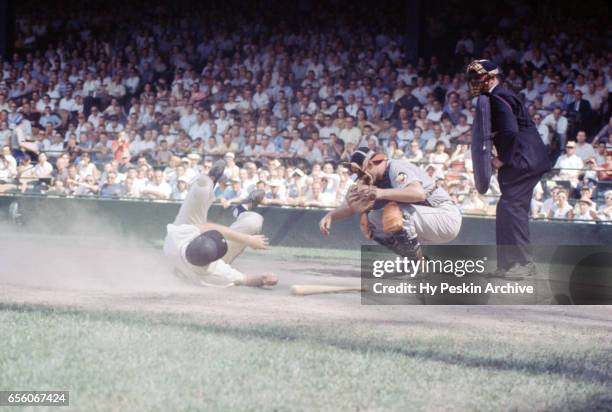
(86, 255)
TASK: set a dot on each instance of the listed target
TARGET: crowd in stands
(140, 114)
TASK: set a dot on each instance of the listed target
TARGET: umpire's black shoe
(516, 272)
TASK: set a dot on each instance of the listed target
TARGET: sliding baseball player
(399, 205)
(203, 251)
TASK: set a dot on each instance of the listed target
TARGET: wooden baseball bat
(304, 290)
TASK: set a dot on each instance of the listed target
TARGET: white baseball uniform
(184, 229)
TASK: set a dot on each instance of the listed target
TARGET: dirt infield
(89, 273)
(94, 315)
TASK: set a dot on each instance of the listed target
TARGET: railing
(178, 202)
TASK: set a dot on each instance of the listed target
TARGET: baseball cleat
(254, 198)
(516, 272)
(402, 245)
(217, 169)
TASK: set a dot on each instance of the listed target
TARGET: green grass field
(133, 361)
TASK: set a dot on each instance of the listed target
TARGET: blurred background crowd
(137, 104)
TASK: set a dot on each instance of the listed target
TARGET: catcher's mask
(479, 74)
(360, 159)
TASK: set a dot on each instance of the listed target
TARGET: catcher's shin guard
(401, 244)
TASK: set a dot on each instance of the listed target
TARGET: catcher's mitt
(361, 197)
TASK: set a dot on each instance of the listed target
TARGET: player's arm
(341, 212)
(411, 193)
(253, 241)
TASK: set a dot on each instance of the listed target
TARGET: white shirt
(163, 188)
(405, 136)
(187, 120)
(559, 125)
(584, 151)
(222, 124)
(350, 135)
(261, 100)
(561, 213)
(544, 132)
(569, 165)
(199, 130)
(325, 132)
(68, 104)
(43, 171)
(435, 116)
(95, 119)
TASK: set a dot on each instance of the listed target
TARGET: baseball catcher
(502, 121)
(201, 251)
(399, 205)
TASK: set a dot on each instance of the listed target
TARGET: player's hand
(496, 163)
(258, 242)
(269, 279)
(325, 225)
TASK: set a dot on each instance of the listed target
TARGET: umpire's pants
(512, 222)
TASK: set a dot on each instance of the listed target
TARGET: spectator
(605, 210)
(543, 129)
(231, 171)
(181, 189)
(135, 97)
(317, 198)
(43, 168)
(558, 124)
(562, 209)
(414, 153)
(579, 110)
(583, 149)
(275, 195)
(351, 133)
(49, 118)
(585, 210)
(86, 187)
(569, 164)
(474, 204)
(158, 188)
(111, 188)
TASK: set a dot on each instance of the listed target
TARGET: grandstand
(106, 102)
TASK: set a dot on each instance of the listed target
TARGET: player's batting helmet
(206, 248)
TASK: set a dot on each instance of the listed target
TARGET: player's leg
(422, 224)
(435, 224)
(512, 225)
(194, 209)
(404, 242)
(249, 223)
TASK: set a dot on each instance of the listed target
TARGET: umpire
(521, 161)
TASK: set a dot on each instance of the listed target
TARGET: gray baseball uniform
(437, 220)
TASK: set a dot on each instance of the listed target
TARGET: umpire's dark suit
(525, 160)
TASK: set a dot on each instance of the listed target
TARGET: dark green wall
(284, 226)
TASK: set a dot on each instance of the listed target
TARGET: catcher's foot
(402, 245)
